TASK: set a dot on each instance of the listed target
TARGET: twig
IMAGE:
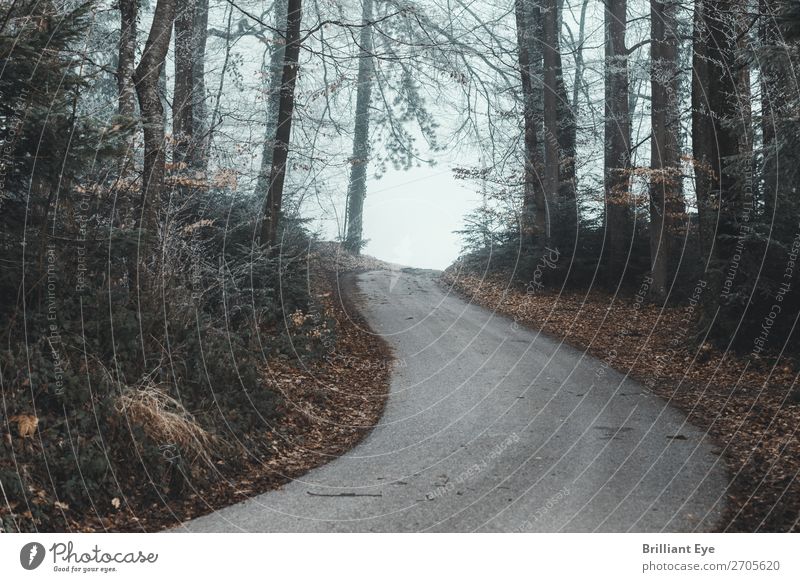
(344, 494)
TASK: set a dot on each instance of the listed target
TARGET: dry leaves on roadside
(750, 407)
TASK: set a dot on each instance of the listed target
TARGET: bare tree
(567, 133)
(578, 48)
(773, 98)
(560, 128)
(666, 187)
(127, 57)
(146, 77)
(551, 121)
(183, 99)
(280, 150)
(273, 77)
(619, 222)
(357, 189)
(535, 220)
(714, 138)
(200, 113)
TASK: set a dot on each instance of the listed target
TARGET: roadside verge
(751, 408)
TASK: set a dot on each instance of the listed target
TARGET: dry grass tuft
(167, 422)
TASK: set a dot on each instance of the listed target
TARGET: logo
(31, 555)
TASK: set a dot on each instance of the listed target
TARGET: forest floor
(751, 408)
(329, 406)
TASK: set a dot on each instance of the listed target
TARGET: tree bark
(618, 224)
(744, 96)
(280, 151)
(127, 55)
(666, 191)
(551, 109)
(579, 60)
(714, 138)
(183, 94)
(716, 127)
(146, 77)
(772, 104)
(535, 219)
(560, 131)
(199, 112)
(357, 189)
(567, 137)
(273, 77)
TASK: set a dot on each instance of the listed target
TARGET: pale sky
(409, 217)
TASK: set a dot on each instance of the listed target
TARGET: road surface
(493, 427)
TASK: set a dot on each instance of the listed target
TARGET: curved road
(490, 427)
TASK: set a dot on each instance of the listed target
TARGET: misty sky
(409, 217)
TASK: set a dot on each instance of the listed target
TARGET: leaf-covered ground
(751, 407)
(329, 400)
(329, 404)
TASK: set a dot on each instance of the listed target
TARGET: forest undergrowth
(100, 455)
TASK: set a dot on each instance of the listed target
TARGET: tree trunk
(199, 113)
(183, 94)
(666, 189)
(127, 55)
(280, 151)
(567, 138)
(551, 121)
(715, 140)
(273, 77)
(579, 61)
(744, 97)
(146, 77)
(772, 104)
(560, 129)
(535, 219)
(357, 189)
(716, 143)
(619, 224)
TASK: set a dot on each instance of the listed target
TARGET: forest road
(494, 427)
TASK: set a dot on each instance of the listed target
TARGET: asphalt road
(491, 427)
